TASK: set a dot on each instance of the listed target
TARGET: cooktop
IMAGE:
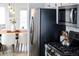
(65, 50)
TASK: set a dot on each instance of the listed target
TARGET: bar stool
(2, 49)
(23, 42)
(0, 43)
(13, 48)
(17, 42)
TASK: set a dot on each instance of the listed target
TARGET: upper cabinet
(50, 5)
(61, 16)
(77, 15)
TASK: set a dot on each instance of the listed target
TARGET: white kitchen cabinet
(78, 16)
(66, 4)
(50, 5)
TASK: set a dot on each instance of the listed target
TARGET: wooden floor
(13, 54)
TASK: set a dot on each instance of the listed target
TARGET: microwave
(67, 16)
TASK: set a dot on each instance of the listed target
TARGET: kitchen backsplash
(68, 28)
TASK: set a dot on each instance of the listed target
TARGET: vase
(13, 27)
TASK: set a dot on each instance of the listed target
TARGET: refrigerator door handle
(32, 31)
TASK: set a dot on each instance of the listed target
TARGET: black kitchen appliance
(59, 49)
(72, 16)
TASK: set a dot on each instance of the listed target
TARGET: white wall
(42, 5)
(72, 29)
(6, 9)
(18, 7)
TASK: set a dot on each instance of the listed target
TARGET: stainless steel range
(57, 49)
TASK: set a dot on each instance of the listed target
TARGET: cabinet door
(78, 16)
(61, 16)
(75, 16)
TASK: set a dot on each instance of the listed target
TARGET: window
(23, 19)
(2, 17)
